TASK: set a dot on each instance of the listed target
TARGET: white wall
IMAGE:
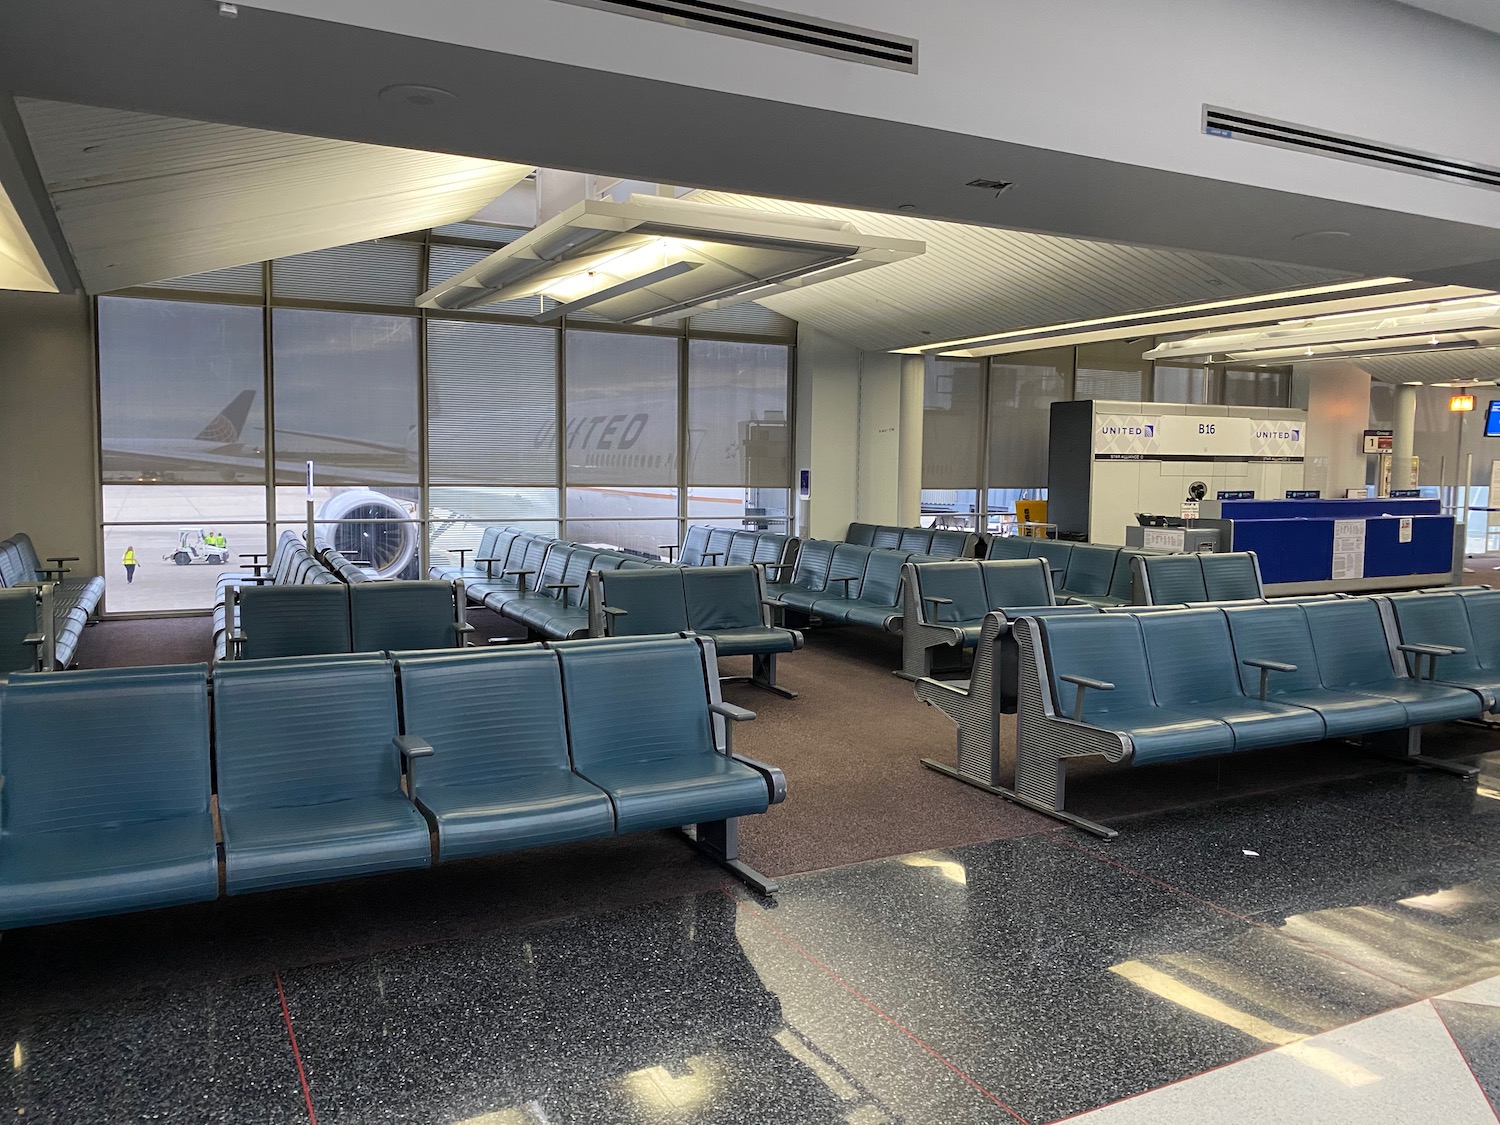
(1337, 399)
(827, 432)
(47, 428)
(878, 498)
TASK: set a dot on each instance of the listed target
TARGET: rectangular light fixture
(659, 259)
(1461, 404)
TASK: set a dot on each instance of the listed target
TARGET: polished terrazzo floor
(1329, 954)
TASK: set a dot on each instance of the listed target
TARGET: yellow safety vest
(130, 558)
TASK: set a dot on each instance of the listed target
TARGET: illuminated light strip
(1146, 319)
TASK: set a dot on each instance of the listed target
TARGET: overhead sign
(1379, 441)
(1191, 437)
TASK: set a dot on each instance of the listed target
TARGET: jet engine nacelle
(383, 536)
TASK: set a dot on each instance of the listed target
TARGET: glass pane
(375, 527)
(386, 271)
(737, 414)
(1182, 384)
(639, 537)
(622, 409)
(180, 391)
(457, 517)
(1002, 507)
(173, 569)
(644, 502)
(952, 394)
(185, 504)
(491, 403)
(1112, 369)
(759, 508)
(1257, 388)
(1023, 388)
(346, 397)
(745, 319)
(247, 281)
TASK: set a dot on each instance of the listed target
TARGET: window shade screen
(737, 414)
(244, 281)
(491, 403)
(1023, 388)
(180, 392)
(622, 408)
(744, 319)
(386, 271)
(346, 396)
(1112, 369)
(952, 398)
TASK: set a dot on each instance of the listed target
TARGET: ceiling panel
(1476, 365)
(142, 198)
(975, 280)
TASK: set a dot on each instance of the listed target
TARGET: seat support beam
(719, 840)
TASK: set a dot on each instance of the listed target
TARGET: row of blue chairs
(105, 798)
(1088, 573)
(73, 602)
(727, 546)
(843, 583)
(1152, 687)
(939, 542)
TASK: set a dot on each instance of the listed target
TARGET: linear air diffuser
(1218, 122)
(770, 25)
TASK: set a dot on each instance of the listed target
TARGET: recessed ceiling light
(906, 207)
(1320, 236)
(416, 95)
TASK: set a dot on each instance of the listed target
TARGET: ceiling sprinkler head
(228, 11)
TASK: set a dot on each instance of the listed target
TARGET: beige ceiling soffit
(657, 259)
(141, 198)
(21, 266)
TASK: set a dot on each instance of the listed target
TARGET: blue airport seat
(1011, 547)
(1091, 566)
(1230, 577)
(862, 534)
(717, 550)
(886, 538)
(22, 630)
(643, 602)
(915, 539)
(947, 544)
(384, 616)
(809, 575)
(694, 544)
(741, 548)
(1171, 579)
(310, 775)
(878, 605)
(295, 620)
(106, 793)
(1434, 630)
(640, 728)
(498, 777)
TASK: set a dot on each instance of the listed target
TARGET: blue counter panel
(1326, 509)
(1291, 550)
(1429, 552)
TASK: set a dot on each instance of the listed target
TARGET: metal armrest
(775, 779)
(33, 639)
(1432, 652)
(845, 580)
(735, 715)
(611, 614)
(252, 554)
(670, 548)
(1266, 668)
(412, 747)
(60, 559)
(51, 573)
(562, 585)
(935, 602)
(775, 566)
(520, 576)
(714, 555)
(489, 568)
(461, 552)
(1084, 683)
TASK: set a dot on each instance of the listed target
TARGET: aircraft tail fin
(225, 426)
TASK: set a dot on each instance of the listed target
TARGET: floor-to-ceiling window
(422, 427)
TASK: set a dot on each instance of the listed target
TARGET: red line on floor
(874, 1007)
(1443, 1020)
(286, 1016)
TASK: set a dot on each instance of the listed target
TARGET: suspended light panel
(654, 259)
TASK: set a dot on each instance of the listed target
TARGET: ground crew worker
(130, 565)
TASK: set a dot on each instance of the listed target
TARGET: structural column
(909, 465)
(1403, 438)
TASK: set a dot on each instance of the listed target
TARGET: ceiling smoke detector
(416, 95)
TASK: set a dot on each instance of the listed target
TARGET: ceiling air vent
(768, 25)
(1246, 127)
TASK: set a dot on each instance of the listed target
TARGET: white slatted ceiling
(142, 198)
(975, 280)
(1478, 365)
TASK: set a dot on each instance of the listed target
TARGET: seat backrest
(519, 730)
(1190, 657)
(1349, 639)
(1090, 567)
(770, 547)
(513, 556)
(722, 597)
(289, 733)
(1483, 608)
(1273, 631)
(1010, 547)
(635, 701)
(1058, 555)
(881, 585)
(915, 539)
(575, 575)
(861, 533)
(106, 746)
(26, 554)
(741, 549)
(948, 544)
(693, 546)
(719, 539)
(1174, 579)
(19, 618)
(1102, 646)
(813, 561)
(652, 598)
(294, 620)
(492, 541)
(555, 567)
(386, 616)
(534, 557)
(1232, 576)
(960, 582)
(886, 537)
(849, 561)
(1438, 619)
(1015, 582)
(1122, 580)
